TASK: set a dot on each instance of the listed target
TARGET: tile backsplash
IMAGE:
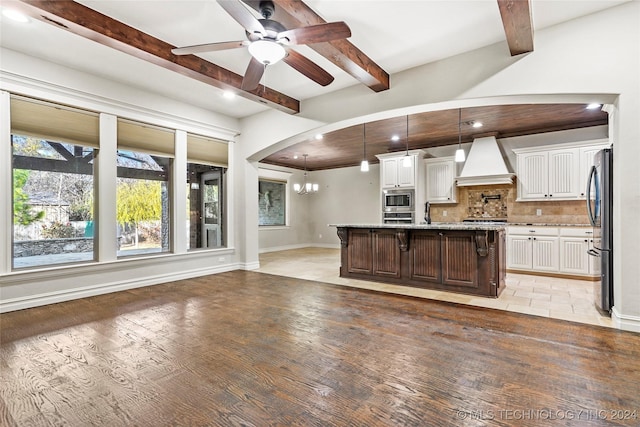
(500, 201)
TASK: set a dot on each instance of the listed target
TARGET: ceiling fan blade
(316, 33)
(209, 47)
(241, 14)
(305, 66)
(252, 76)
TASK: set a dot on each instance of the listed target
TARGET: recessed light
(228, 94)
(593, 106)
(15, 15)
(295, 157)
(318, 136)
(395, 138)
(477, 124)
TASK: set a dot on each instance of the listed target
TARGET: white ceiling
(396, 34)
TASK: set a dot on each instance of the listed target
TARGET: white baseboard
(625, 322)
(105, 288)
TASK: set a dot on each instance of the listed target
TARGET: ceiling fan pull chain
(264, 79)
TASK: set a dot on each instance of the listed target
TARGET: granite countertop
(542, 224)
(458, 225)
(433, 226)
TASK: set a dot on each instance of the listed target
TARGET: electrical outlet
(538, 212)
(319, 236)
(221, 259)
(444, 213)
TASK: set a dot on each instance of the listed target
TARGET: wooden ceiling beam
(518, 27)
(296, 14)
(100, 28)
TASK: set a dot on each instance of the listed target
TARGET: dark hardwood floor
(252, 349)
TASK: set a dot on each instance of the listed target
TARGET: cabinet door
(587, 155)
(389, 173)
(545, 253)
(440, 182)
(459, 260)
(360, 251)
(386, 250)
(533, 176)
(573, 255)
(564, 174)
(406, 175)
(424, 264)
(519, 254)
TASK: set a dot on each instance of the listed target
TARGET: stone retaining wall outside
(52, 246)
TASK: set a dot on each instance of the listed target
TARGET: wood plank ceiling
(345, 147)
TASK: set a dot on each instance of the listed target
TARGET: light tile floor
(559, 298)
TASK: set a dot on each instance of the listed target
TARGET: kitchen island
(459, 257)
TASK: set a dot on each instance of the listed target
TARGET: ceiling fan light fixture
(267, 52)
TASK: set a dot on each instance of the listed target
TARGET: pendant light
(406, 161)
(306, 187)
(459, 151)
(364, 165)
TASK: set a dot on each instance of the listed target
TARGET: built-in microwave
(398, 200)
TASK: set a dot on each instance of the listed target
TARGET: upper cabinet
(393, 174)
(555, 172)
(441, 173)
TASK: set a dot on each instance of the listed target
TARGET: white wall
(594, 58)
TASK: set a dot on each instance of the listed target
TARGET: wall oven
(398, 200)
(398, 217)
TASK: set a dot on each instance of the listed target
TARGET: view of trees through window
(142, 203)
(52, 202)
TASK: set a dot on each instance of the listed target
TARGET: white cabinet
(395, 175)
(574, 244)
(587, 155)
(533, 248)
(549, 175)
(554, 172)
(560, 250)
(441, 173)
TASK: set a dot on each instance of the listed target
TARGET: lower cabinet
(373, 252)
(574, 244)
(559, 250)
(448, 258)
(533, 248)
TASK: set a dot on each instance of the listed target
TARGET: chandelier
(306, 187)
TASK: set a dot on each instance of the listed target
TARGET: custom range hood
(484, 165)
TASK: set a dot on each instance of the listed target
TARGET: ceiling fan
(268, 42)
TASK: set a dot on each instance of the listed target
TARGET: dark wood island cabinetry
(454, 257)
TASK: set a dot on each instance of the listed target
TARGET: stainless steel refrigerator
(599, 210)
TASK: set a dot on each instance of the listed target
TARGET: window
(273, 207)
(145, 155)
(53, 149)
(206, 167)
(272, 202)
